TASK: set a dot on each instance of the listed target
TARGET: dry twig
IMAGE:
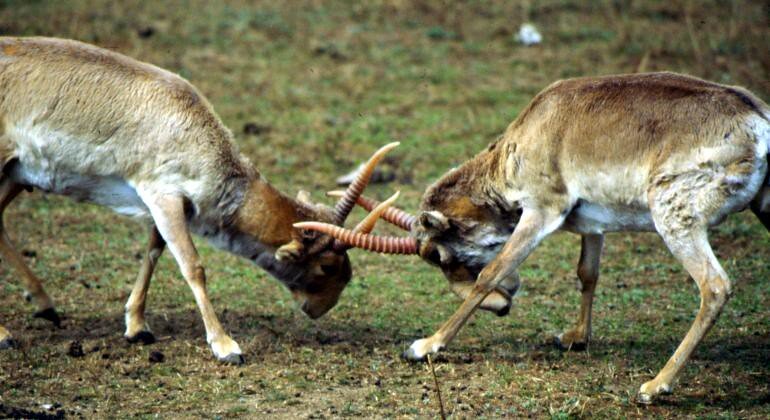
(438, 389)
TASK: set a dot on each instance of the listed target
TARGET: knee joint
(587, 275)
(718, 293)
(199, 274)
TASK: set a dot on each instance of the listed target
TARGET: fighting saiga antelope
(655, 152)
(98, 126)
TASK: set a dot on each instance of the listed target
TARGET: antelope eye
(434, 256)
(313, 288)
(330, 269)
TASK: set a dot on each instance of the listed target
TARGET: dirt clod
(22, 413)
(254, 129)
(157, 357)
(75, 349)
(146, 32)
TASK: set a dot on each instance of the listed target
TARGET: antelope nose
(311, 311)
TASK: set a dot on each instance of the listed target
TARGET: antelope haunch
(657, 152)
(98, 126)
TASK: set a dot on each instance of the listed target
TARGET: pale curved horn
(381, 244)
(367, 225)
(345, 204)
(392, 215)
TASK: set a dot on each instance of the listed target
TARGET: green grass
(333, 81)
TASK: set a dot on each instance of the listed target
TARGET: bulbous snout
(322, 287)
(314, 307)
(462, 281)
(498, 301)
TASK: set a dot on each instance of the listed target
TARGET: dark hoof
(503, 312)
(49, 314)
(9, 343)
(144, 337)
(233, 359)
(569, 347)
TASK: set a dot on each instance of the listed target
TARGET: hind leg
(693, 250)
(588, 272)
(136, 326)
(680, 211)
(8, 191)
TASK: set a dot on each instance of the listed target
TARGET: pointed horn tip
(386, 148)
(335, 193)
(393, 197)
(367, 225)
(391, 145)
(307, 225)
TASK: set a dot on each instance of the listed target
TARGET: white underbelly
(587, 218)
(109, 191)
(59, 163)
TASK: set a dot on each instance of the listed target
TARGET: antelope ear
(434, 220)
(290, 252)
(304, 198)
(444, 254)
(319, 211)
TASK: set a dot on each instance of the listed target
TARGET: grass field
(326, 83)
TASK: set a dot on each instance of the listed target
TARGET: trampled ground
(324, 84)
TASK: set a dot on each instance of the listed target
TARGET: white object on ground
(528, 35)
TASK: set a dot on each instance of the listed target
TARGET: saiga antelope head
(457, 233)
(321, 261)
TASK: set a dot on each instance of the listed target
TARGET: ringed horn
(375, 243)
(392, 215)
(360, 237)
(350, 196)
(367, 225)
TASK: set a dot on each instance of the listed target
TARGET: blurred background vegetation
(311, 88)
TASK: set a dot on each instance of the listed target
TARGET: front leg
(588, 272)
(532, 228)
(169, 215)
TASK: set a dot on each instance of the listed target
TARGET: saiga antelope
(655, 152)
(98, 126)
